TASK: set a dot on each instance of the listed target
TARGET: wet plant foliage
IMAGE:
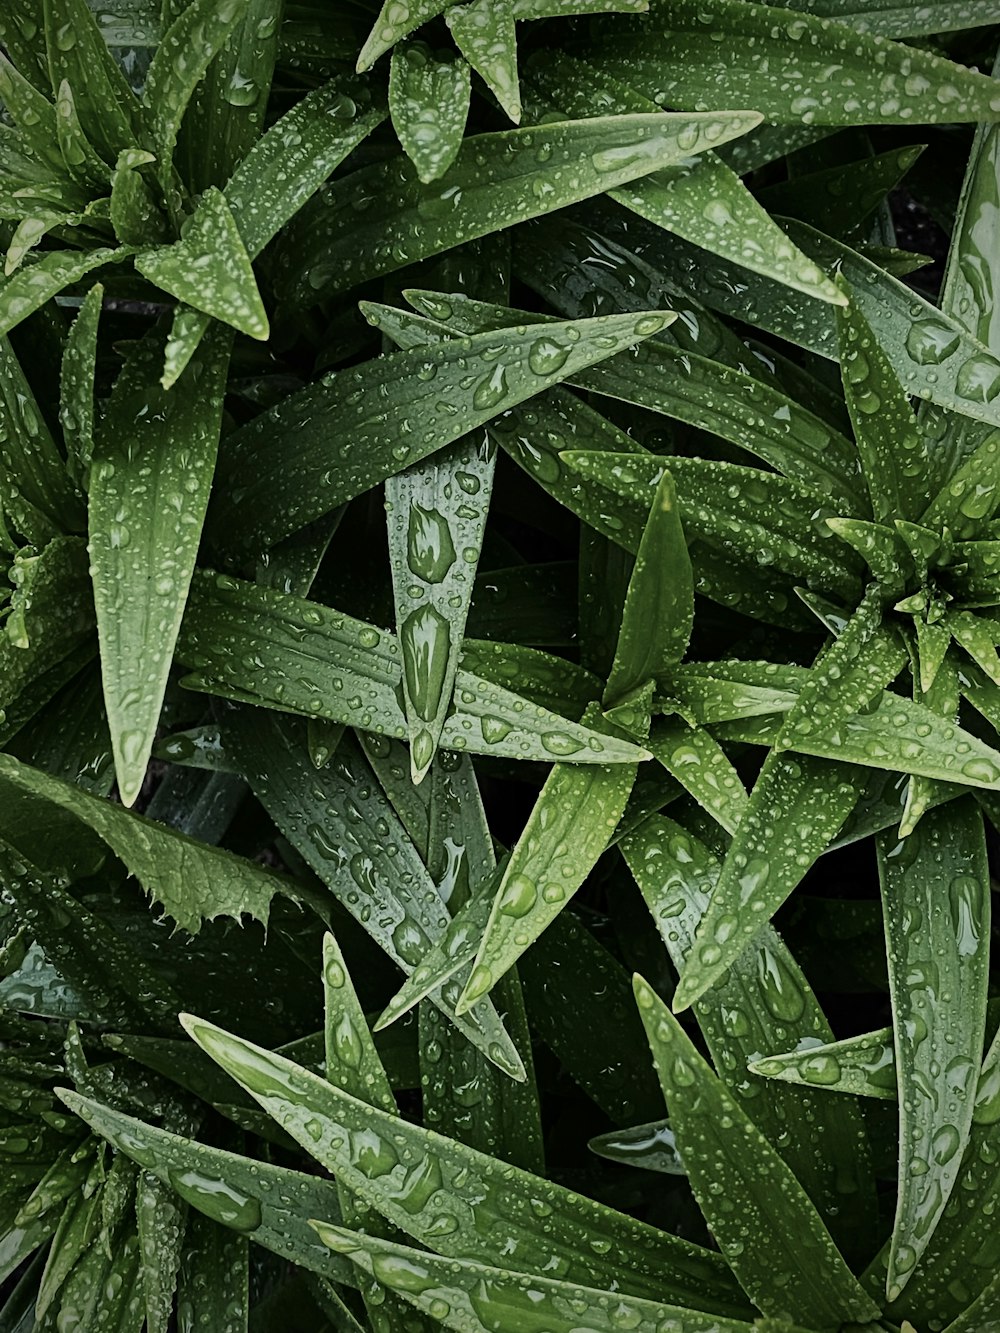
(499, 691)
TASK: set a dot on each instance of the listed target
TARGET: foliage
(492, 506)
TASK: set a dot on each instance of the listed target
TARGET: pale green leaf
(429, 101)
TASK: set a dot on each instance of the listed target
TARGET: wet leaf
(795, 810)
(479, 1298)
(791, 67)
(149, 487)
(571, 824)
(659, 605)
(190, 880)
(497, 179)
(703, 200)
(457, 1201)
(862, 1066)
(76, 400)
(213, 1284)
(700, 765)
(210, 269)
(254, 1197)
(35, 283)
(763, 999)
(767, 1227)
(429, 101)
(354, 661)
(484, 33)
(263, 494)
(354, 843)
(936, 900)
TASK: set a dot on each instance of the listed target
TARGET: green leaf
(34, 116)
(659, 606)
(352, 1062)
(393, 24)
(698, 762)
(481, 1298)
(753, 517)
(183, 55)
(190, 880)
(352, 660)
(484, 33)
(901, 18)
(160, 1225)
(149, 487)
(429, 102)
(255, 1197)
(848, 674)
(35, 284)
(703, 201)
(762, 1220)
(76, 397)
(972, 494)
(81, 160)
(296, 155)
(333, 447)
(381, 218)
(862, 1066)
(228, 109)
(731, 53)
(480, 1206)
(213, 1285)
(763, 1001)
(209, 268)
(110, 115)
(893, 451)
(336, 827)
(571, 824)
(796, 809)
(700, 391)
(553, 9)
(650, 1147)
(936, 903)
(436, 514)
(136, 216)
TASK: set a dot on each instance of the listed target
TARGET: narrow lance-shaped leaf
(730, 53)
(76, 398)
(704, 200)
(850, 672)
(436, 518)
(357, 847)
(39, 499)
(213, 1283)
(254, 1197)
(479, 1298)
(763, 1000)
(34, 284)
(796, 809)
(381, 218)
(393, 24)
(150, 482)
(334, 448)
(280, 172)
(570, 826)
(484, 33)
(702, 391)
(936, 903)
(348, 660)
(902, 18)
(161, 1219)
(659, 606)
(183, 55)
(761, 1218)
(893, 451)
(481, 1207)
(429, 100)
(110, 114)
(695, 758)
(862, 1066)
(209, 268)
(744, 513)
